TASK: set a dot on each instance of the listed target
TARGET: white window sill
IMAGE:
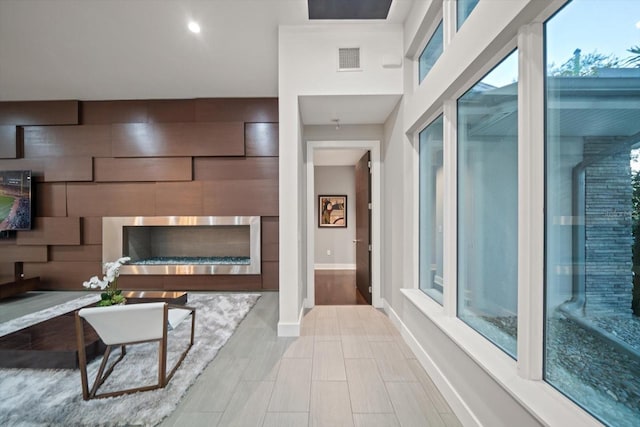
(544, 402)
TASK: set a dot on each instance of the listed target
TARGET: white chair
(122, 325)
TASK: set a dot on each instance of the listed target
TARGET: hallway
(349, 367)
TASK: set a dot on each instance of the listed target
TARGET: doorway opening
(343, 253)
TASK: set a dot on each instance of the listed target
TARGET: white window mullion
(450, 246)
(449, 21)
(530, 201)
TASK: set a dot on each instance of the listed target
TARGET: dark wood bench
(9, 288)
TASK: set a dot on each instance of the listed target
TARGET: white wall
(345, 133)
(307, 65)
(336, 180)
(396, 150)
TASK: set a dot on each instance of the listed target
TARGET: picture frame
(332, 211)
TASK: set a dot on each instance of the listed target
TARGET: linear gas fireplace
(183, 244)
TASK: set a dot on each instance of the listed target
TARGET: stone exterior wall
(608, 230)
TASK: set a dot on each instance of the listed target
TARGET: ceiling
(347, 109)
(338, 156)
(123, 49)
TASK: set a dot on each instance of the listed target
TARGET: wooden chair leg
(82, 356)
(162, 351)
(184, 353)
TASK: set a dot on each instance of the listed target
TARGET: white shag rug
(53, 397)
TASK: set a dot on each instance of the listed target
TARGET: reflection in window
(431, 53)
(431, 193)
(592, 242)
(488, 205)
(463, 10)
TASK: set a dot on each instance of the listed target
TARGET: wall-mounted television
(15, 200)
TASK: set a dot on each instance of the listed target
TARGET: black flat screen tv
(15, 200)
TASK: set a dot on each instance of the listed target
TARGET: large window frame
(438, 31)
(429, 237)
(484, 201)
(522, 378)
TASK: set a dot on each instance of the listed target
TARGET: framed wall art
(332, 211)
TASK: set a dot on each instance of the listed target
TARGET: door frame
(376, 223)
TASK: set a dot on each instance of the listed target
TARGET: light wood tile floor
(350, 367)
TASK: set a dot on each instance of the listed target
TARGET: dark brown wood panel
(54, 169)
(8, 142)
(171, 110)
(230, 168)
(178, 139)
(124, 199)
(190, 282)
(69, 169)
(76, 253)
(36, 166)
(9, 289)
(270, 275)
(51, 231)
(50, 199)
(178, 198)
(107, 112)
(91, 230)
(237, 109)
(39, 113)
(67, 141)
(261, 139)
(16, 253)
(7, 271)
(240, 197)
(143, 169)
(270, 239)
(212, 283)
(61, 275)
(363, 226)
(145, 282)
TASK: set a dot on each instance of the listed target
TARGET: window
(431, 210)
(488, 205)
(464, 9)
(431, 53)
(592, 218)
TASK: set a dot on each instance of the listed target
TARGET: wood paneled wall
(92, 159)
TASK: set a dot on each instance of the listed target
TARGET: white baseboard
(334, 266)
(459, 407)
(291, 329)
(288, 329)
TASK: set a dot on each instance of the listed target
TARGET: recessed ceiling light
(194, 27)
(638, 25)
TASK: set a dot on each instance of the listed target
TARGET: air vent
(348, 58)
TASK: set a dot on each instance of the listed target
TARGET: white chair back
(126, 323)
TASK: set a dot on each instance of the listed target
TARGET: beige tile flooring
(349, 367)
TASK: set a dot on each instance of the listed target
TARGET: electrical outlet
(328, 251)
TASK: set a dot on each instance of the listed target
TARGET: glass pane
(431, 193)
(488, 205)
(592, 242)
(463, 10)
(431, 53)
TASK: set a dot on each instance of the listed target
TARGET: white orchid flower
(94, 282)
(112, 269)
